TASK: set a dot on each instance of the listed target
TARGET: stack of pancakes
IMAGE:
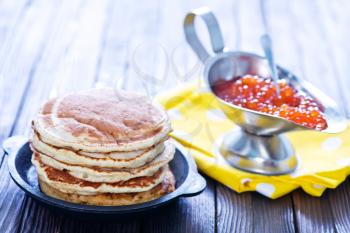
(103, 147)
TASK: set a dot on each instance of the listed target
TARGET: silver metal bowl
(257, 145)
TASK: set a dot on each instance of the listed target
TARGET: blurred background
(48, 48)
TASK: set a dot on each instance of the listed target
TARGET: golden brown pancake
(117, 159)
(113, 199)
(105, 174)
(65, 182)
(102, 120)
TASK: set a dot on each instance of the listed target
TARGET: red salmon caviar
(259, 94)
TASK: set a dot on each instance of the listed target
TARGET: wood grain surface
(48, 48)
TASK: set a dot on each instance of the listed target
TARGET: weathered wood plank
(42, 221)
(312, 213)
(10, 15)
(272, 215)
(143, 48)
(22, 55)
(10, 203)
(79, 68)
(280, 27)
(73, 225)
(333, 24)
(194, 214)
(234, 211)
(313, 49)
(113, 61)
(339, 203)
(128, 225)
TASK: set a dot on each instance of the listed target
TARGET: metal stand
(268, 155)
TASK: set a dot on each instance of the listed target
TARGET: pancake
(66, 183)
(109, 175)
(102, 120)
(103, 147)
(113, 199)
(109, 160)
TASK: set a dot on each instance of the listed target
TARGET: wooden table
(52, 47)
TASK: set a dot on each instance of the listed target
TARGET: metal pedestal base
(268, 155)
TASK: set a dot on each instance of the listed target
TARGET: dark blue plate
(188, 183)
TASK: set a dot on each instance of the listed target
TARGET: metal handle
(196, 185)
(209, 18)
(12, 144)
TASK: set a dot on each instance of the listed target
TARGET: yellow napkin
(324, 159)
